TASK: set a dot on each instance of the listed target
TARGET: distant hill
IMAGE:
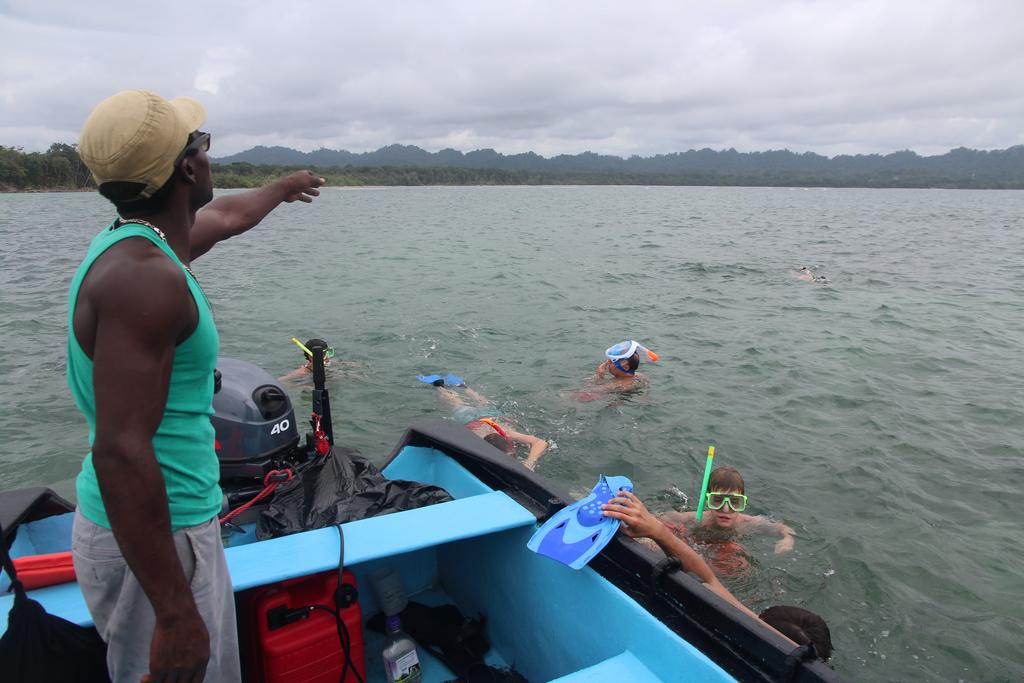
(60, 168)
(960, 167)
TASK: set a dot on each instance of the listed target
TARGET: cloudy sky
(546, 76)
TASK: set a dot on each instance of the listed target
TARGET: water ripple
(881, 416)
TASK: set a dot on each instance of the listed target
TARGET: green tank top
(184, 441)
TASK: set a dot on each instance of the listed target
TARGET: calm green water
(881, 416)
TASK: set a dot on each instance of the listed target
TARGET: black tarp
(342, 487)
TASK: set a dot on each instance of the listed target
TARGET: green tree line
(60, 169)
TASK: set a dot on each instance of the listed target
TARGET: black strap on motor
(669, 564)
(794, 659)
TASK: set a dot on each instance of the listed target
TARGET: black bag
(39, 647)
(341, 487)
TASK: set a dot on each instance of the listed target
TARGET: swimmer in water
(725, 502)
(307, 368)
(808, 275)
(483, 418)
(639, 523)
(617, 373)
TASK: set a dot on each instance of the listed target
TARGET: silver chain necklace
(159, 233)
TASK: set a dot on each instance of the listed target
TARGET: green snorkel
(328, 350)
(303, 347)
(704, 486)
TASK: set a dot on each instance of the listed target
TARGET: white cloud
(617, 78)
(220, 62)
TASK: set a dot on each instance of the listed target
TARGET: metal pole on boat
(321, 397)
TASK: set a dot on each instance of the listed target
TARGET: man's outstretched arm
(233, 214)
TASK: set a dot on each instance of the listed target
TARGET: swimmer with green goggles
(307, 354)
(328, 351)
(724, 496)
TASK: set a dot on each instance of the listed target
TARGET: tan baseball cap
(135, 136)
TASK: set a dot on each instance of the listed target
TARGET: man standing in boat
(142, 345)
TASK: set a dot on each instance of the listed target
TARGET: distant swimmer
(808, 275)
(617, 373)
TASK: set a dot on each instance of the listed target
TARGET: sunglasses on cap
(201, 141)
(737, 502)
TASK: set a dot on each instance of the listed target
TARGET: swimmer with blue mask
(622, 360)
(617, 374)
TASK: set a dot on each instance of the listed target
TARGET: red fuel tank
(284, 638)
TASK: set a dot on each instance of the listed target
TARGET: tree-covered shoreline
(60, 169)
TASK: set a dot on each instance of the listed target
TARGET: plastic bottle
(401, 661)
(387, 586)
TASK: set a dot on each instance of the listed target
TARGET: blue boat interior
(548, 621)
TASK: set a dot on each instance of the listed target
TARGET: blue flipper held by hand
(578, 532)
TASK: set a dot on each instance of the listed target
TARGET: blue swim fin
(578, 532)
(449, 380)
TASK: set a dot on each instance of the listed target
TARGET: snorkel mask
(737, 502)
(328, 352)
(624, 351)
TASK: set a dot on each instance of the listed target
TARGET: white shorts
(122, 612)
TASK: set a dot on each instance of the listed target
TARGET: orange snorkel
(494, 425)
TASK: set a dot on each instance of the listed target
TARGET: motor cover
(253, 419)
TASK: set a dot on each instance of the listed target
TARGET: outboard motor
(254, 423)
